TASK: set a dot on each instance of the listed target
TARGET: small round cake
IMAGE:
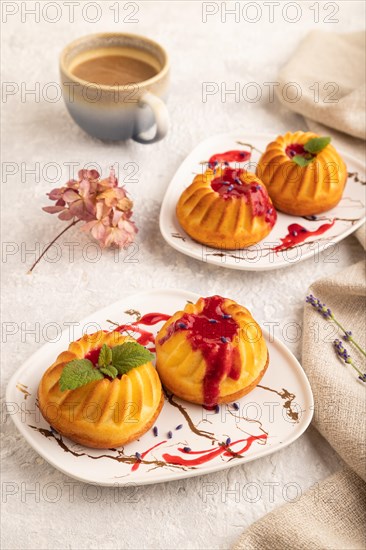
(226, 208)
(107, 412)
(212, 352)
(303, 173)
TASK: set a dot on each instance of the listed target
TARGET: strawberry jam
(212, 332)
(298, 234)
(231, 184)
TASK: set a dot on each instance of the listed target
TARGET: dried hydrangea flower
(100, 203)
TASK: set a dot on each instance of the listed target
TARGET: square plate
(272, 416)
(348, 215)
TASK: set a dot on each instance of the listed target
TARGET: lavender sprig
(327, 314)
(321, 308)
(343, 354)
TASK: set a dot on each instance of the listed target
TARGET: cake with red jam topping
(102, 392)
(226, 208)
(303, 172)
(211, 352)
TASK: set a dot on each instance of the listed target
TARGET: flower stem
(74, 222)
(357, 346)
(350, 337)
(356, 369)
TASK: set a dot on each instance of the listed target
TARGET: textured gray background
(175, 514)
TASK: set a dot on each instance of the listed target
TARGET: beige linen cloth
(333, 514)
(336, 62)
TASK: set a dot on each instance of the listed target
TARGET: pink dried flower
(103, 205)
(100, 203)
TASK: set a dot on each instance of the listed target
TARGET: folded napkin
(333, 514)
(323, 58)
(341, 405)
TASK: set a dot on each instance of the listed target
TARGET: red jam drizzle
(152, 319)
(205, 455)
(294, 149)
(209, 454)
(146, 337)
(230, 185)
(138, 462)
(297, 149)
(211, 332)
(298, 234)
(93, 355)
(229, 156)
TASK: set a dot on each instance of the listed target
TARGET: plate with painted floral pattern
(188, 440)
(292, 239)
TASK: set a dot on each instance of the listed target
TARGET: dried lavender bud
(321, 308)
(341, 351)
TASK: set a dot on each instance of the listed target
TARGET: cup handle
(161, 118)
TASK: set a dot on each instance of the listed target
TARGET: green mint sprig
(315, 145)
(303, 160)
(78, 372)
(312, 147)
(111, 363)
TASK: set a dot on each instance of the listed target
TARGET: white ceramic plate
(348, 215)
(272, 416)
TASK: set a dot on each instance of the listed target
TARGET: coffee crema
(114, 70)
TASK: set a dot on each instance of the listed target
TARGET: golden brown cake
(300, 182)
(212, 352)
(104, 413)
(226, 208)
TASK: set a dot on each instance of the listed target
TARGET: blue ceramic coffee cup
(117, 112)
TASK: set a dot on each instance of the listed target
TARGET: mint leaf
(77, 373)
(129, 355)
(315, 145)
(302, 161)
(110, 371)
(125, 357)
(105, 356)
